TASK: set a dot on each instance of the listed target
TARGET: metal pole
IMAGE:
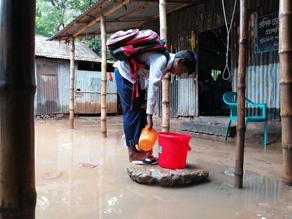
(241, 96)
(17, 90)
(285, 57)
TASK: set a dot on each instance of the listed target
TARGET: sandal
(147, 160)
(150, 160)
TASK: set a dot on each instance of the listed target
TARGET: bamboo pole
(285, 56)
(165, 81)
(241, 96)
(103, 77)
(17, 90)
(72, 79)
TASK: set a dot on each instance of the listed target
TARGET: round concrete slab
(154, 174)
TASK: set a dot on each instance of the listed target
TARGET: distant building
(52, 74)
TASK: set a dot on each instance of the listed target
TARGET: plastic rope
(228, 37)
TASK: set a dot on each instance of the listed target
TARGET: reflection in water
(257, 189)
(111, 206)
(106, 191)
(43, 202)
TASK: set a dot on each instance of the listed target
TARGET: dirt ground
(216, 150)
(79, 174)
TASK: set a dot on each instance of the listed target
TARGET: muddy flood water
(81, 175)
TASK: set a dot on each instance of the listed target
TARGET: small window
(89, 66)
(215, 74)
(93, 66)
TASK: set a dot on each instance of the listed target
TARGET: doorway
(212, 61)
(48, 97)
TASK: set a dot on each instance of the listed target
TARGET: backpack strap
(134, 65)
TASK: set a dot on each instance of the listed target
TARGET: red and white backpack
(126, 45)
(131, 44)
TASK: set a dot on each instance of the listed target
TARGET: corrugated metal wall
(182, 94)
(262, 79)
(47, 90)
(262, 73)
(53, 85)
(88, 100)
(186, 96)
(173, 99)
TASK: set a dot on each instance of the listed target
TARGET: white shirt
(149, 79)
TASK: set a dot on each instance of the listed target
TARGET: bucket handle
(187, 146)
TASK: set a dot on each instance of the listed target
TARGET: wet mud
(79, 174)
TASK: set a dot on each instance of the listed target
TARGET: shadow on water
(81, 175)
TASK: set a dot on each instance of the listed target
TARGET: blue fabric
(135, 120)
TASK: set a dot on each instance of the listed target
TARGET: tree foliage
(53, 15)
(94, 43)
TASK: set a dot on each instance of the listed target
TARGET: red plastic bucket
(173, 149)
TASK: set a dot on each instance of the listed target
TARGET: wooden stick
(174, 9)
(90, 13)
(169, 2)
(96, 32)
(98, 18)
(285, 57)
(156, 16)
(241, 96)
(94, 92)
(165, 81)
(134, 12)
(72, 79)
(103, 77)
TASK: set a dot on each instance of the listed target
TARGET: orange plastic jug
(147, 138)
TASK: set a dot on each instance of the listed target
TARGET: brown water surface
(67, 188)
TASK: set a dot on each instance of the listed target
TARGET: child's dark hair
(190, 59)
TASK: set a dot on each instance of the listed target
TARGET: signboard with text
(268, 33)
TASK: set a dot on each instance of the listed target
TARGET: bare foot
(134, 154)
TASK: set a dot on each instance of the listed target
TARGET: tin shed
(52, 74)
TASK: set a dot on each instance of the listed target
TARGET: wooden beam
(168, 2)
(94, 92)
(90, 13)
(119, 20)
(285, 57)
(240, 129)
(99, 17)
(165, 81)
(103, 77)
(134, 11)
(127, 21)
(182, 4)
(17, 91)
(95, 10)
(157, 16)
(174, 9)
(72, 80)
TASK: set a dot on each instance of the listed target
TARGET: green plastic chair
(230, 98)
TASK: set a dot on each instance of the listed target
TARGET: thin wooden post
(165, 81)
(241, 96)
(17, 90)
(72, 80)
(103, 77)
(285, 56)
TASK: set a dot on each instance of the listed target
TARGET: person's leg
(134, 120)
